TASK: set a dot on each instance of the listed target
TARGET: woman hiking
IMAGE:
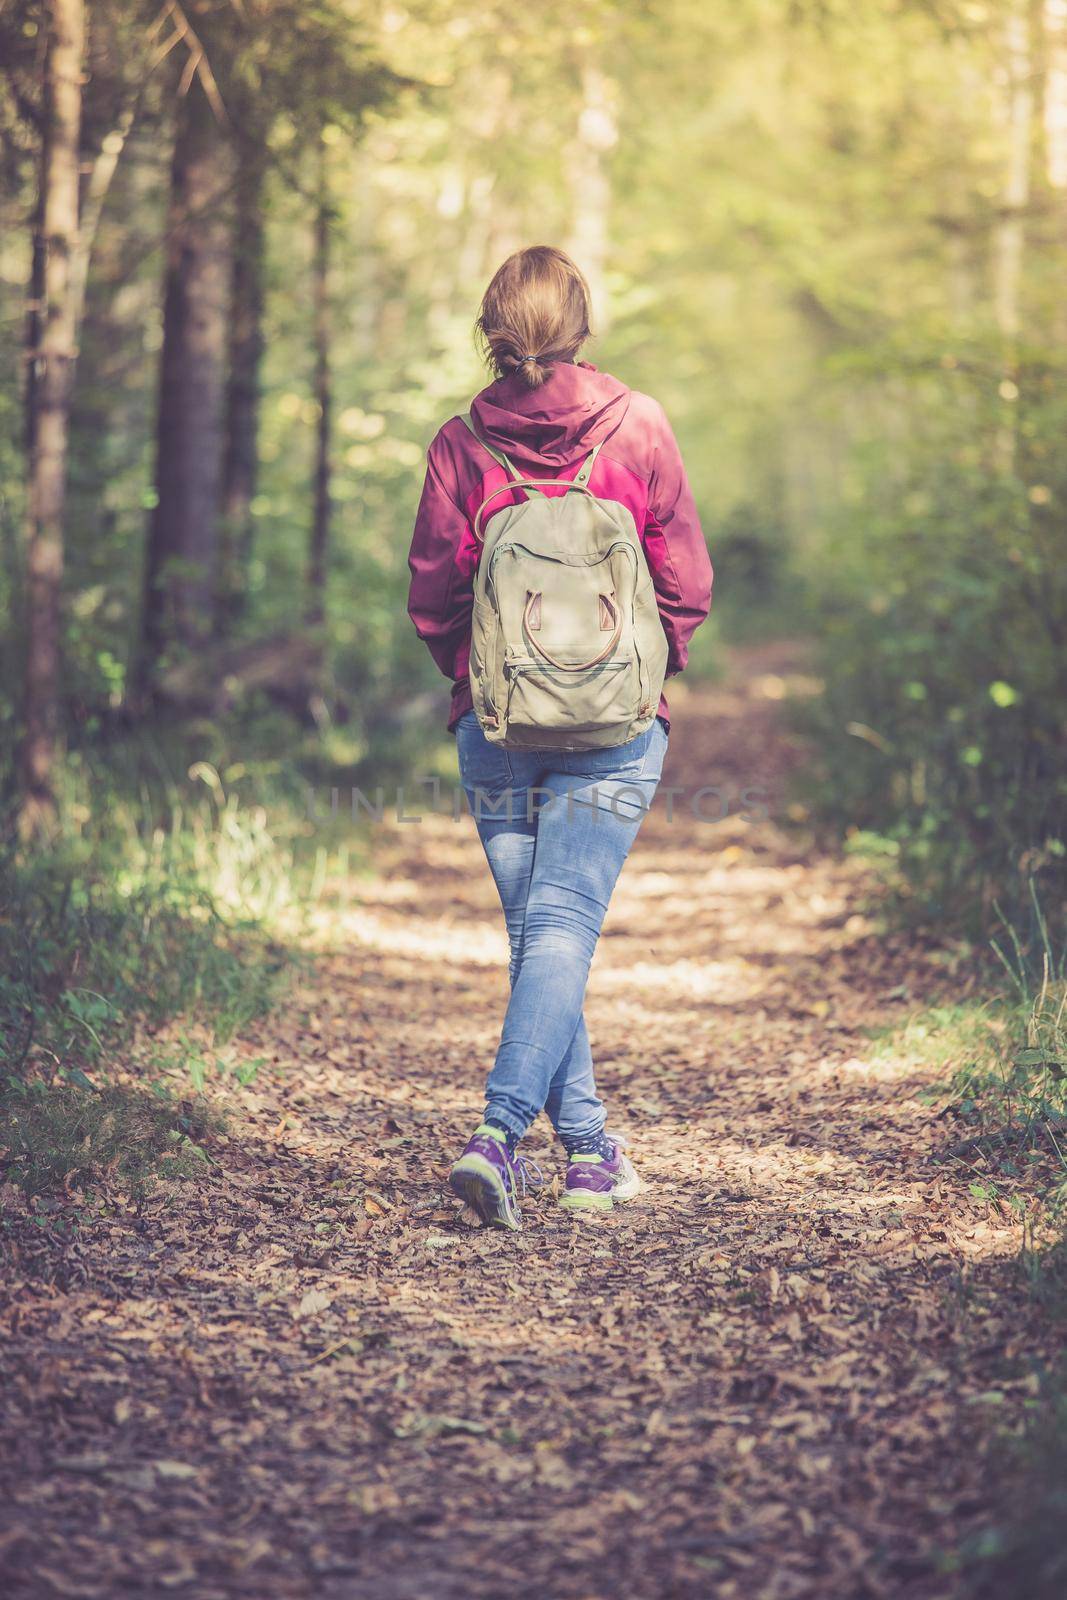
(558, 572)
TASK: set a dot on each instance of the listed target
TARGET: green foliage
(92, 944)
(1007, 1059)
(941, 726)
(1014, 1094)
(1010, 1086)
(71, 1134)
(1024, 1552)
(790, 214)
(959, 1036)
(1010, 1077)
(141, 914)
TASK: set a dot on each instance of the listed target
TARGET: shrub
(942, 623)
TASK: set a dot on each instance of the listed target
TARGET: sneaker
(486, 1177)
(594, 1183)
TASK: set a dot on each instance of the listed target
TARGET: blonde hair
(534, 312)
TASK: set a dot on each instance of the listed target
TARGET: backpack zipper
(515, 544)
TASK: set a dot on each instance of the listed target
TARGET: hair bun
(532, 372)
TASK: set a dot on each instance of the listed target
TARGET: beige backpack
(567, 648)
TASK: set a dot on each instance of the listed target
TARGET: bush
(942, 624)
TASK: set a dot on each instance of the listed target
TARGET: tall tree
(51, 369)
(1010, 235)
(590, 183)
(182, 556)
(323, 390)
(241, 450)
(318, 68)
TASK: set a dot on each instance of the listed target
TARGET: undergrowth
(1021, 1551)
(1008, 1088)
(940, 610)
(1019, 1091)
(140, 917)
(65, 1137)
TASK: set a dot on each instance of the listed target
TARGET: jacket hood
(551, 427)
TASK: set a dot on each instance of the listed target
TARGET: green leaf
(1037, 1058)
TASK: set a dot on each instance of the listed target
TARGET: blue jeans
(557, 826)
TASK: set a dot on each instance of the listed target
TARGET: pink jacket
(548, 432)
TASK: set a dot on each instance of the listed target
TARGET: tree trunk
(1010, 237)
(182, 559)
(91, 208)
(1054, 142)
(241, 458)
(35, 303)
(51, 369)
(320, 525)
(1055, 96)
(590, 183)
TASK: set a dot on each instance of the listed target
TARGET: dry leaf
(314, 1301)
(174, 1469)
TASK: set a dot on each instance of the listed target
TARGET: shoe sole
(480, 1187)
(585, 1200)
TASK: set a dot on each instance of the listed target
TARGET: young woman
(556, 824)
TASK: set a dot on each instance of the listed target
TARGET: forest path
(306, 1375)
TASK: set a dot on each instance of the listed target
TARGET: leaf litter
(305, 1373)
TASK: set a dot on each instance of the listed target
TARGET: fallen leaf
(174, 1469)
(314, 1301)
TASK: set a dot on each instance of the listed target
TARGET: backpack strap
(523, 483)
(582, 478)
(498, 455)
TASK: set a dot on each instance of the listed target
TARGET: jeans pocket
(613, 761)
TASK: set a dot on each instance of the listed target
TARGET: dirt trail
(306, 1375)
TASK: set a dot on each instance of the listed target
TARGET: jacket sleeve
(440, 596)
(677, 553)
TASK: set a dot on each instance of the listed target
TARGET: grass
(1006, 1064)
(164, 916)
(999, 1063)
(957, 1035)
(130, 954)
(67, 1137)
(1022, 1550)
(1021, 1090)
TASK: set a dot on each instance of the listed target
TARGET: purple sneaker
(594, 1183)
(486, 1177)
